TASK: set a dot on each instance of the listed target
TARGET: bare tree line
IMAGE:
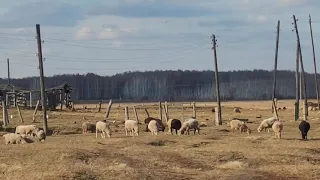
(175, 85)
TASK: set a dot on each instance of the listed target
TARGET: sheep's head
(259, 129)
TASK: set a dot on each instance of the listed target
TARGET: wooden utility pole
(214, 48)
(8, 66)
(314, 63)
(160, 111)
(275, 66)
(109, 108)
(305, 103)
(296, 104)
(42, 85)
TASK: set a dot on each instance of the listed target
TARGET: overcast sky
(109, 37)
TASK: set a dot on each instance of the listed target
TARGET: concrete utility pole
(305, 103)
(275, 66)
(214, 48)
(42, 85)
(8, 65)
(314, 63)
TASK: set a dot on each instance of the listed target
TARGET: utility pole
(214, 48)
(314, 64)
(296, 104)
(8, 65)
(275, 66)
(305, 103)
(42, 86)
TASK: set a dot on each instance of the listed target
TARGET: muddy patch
(161, 143)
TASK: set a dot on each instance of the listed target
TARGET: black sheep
(175, 124)
(304, 127)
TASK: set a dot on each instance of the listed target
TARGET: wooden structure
(59, 95)
(15, 95)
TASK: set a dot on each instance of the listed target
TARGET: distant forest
(175, 85)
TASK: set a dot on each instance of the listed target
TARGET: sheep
(131, 126)
(148, 119)
(26, 129)
(104, 128)
(304, 127)
(154, 127)
(12, 138)
(236, 110)
(245, 128)
(277, 128)
(266, 124)
(235, 124)
(189, 124)
(173, 124)
(87, 126)
(41, 135)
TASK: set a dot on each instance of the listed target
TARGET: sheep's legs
(96, 134)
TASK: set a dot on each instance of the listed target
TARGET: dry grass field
(215, 154)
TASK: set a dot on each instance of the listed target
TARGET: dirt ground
(215, 154)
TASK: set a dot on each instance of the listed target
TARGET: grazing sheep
(104, 128)
(26, 129)
(277, 129)
(153, 127)
(284, 108)
(173, 124)
(87, 126)
(236, 110)
(132, 127)
(189, 124)
(12, 138)
(245, 128)
(41, 135)
(237, 124)
(148, 119)
(266, 124)
(304, 127)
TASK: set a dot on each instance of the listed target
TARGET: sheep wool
(304, 128)
(174, 124)
(266, 124)
(104, 128)
(277, 129)
(132, 127)
(12, 138)
(153, 127)
(189, 124)
(87, 126)
(26, 129)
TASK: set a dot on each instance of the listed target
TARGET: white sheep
(277, 128)
(26, 129)
(132, 127)
(266, 124)
(235, 124)
(189, 124)
(12, 138)
(104, 128)
(236, 110)
(154, 127)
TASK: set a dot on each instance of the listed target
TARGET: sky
(103, 37)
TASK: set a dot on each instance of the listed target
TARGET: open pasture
(214, 154)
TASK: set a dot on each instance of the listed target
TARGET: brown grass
(215, 154)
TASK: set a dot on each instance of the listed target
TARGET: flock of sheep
(23, 133)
